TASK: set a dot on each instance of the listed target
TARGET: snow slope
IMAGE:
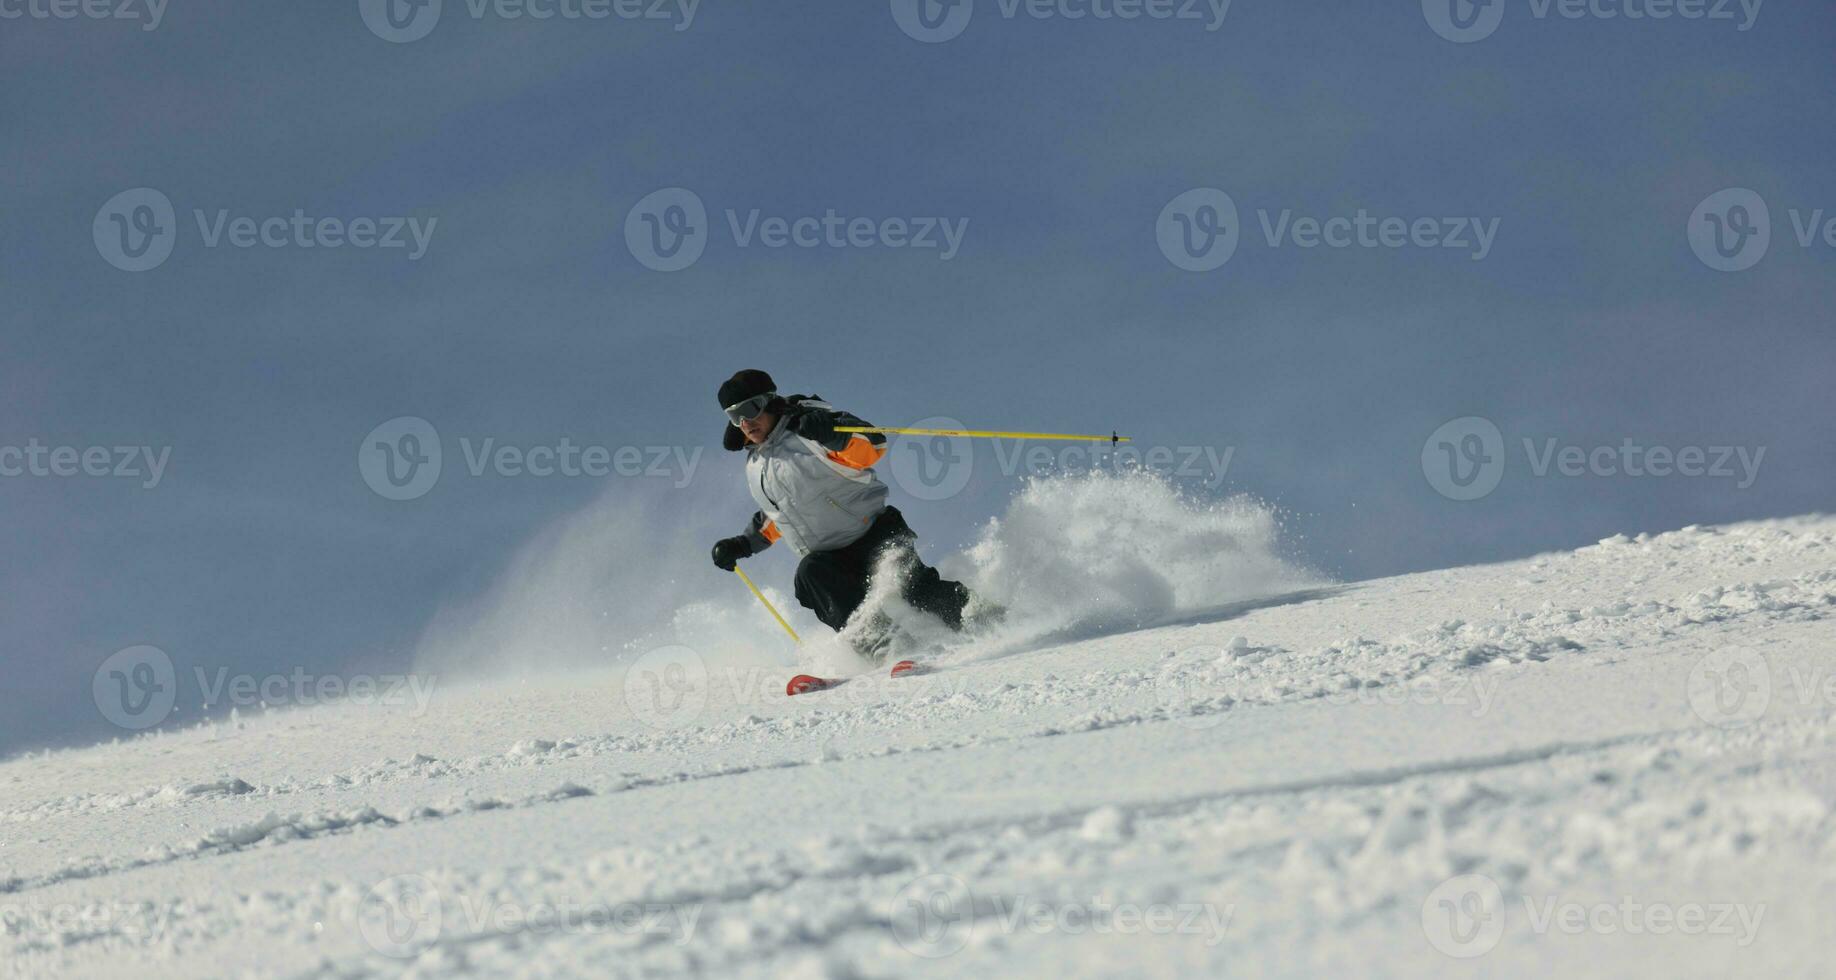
(1614, 760)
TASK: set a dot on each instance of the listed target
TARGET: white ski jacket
(815, 497)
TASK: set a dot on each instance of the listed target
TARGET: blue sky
(525, 144)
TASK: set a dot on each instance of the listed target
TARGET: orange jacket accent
(859, 453)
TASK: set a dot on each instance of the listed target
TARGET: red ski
(806, 683)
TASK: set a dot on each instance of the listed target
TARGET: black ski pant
(832, 584)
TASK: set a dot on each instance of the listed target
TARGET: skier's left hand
(728, 552)
(814, 423)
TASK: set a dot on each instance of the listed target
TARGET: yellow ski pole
(768, 606)
(980, 433)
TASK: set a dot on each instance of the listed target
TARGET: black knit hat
(743, 385)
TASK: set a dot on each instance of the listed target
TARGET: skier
(816, 490)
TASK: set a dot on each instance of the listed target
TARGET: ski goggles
(749, 409)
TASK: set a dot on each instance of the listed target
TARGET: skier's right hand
(728, 552)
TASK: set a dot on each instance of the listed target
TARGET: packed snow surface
(1616, 760)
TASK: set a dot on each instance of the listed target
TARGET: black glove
(728, 552)
(814, 423)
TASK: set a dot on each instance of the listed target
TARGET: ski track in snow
(1290, 782)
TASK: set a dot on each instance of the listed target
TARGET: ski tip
(804, 684)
